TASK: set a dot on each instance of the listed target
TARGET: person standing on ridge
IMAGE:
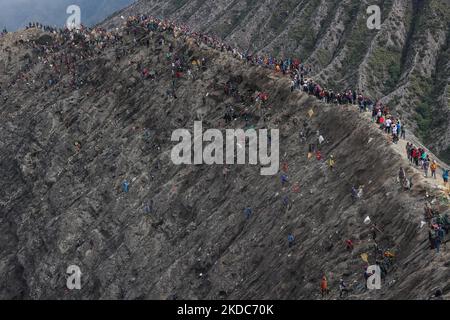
(445, 176)
(433, 168)
(426, 165)
(403, 133)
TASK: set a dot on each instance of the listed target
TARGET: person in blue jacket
(248, 212)
(125, 186)
(291, 240)
(445, 176)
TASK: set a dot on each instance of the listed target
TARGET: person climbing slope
(248, 212)
(125, 186)
(324, 286)
(284, 179)
(349, 244)
(354, 194)
(342, 288)
(331, 162)
(290, 240)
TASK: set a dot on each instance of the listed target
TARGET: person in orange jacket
(324, 286)
(433, 168)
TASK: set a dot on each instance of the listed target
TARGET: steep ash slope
(61, 207)
(405, 62)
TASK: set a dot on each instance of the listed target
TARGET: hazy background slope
(15, 14)
(406, 62)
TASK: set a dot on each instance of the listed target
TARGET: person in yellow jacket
(331, 162)
(433, 168)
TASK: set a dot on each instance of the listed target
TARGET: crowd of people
(37, 25)
(438, 224)
(62, 55)
(420, 158)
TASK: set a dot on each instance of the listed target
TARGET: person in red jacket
(381, 122)
(349, 245)
(415, 155)
(318, 155)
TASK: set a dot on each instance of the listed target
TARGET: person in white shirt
(388, 125)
